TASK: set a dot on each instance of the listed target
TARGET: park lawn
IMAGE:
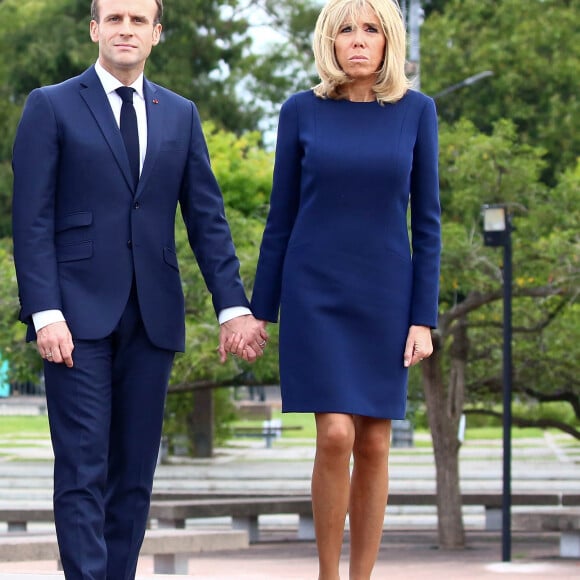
(24, 426)
(36, 427)
(308, 431)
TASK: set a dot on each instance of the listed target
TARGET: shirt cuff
(46, 317)
(232, 312)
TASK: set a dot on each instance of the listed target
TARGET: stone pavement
(550, 463)
(405, 555)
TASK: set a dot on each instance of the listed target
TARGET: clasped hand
(243, 336)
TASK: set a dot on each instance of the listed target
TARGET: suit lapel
(154, 130)
(96, 99)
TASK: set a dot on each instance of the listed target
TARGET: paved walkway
(408, 552)
(405, 555)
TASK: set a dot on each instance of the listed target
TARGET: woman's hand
(418, 346)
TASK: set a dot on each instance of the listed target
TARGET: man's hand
(243, 336)
(418, 346)
(55, 344)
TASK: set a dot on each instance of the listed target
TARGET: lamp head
(496, 224)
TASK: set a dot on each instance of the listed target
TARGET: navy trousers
(105, 417)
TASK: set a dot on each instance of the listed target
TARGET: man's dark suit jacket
(82, 232)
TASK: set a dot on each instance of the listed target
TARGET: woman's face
(360, 46)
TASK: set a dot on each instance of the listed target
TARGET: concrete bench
(565, 520)
(171, 549)
(17, 518)
(269, 432)
(571, 499)
(244, 512)
(254, 410)
(171, 509)
(491, 501)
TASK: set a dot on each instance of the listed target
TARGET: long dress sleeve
(284, 202)
(425, 220)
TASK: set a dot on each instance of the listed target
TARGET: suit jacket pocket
(73, 220)
(170, 258)
(75, 251)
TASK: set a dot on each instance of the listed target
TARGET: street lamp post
(464, 83)
(497, 230)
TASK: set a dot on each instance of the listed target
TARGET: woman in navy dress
(357, 295)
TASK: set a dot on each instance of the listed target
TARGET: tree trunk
(200, 423)
(444, 408)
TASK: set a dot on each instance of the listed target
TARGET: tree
(202, 55)
(530, 47)
(286, 65)
(476, 168)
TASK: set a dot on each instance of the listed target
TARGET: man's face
(126, 32)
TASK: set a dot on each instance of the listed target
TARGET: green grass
(28, 426)
(497, 433)
(36, 427)
(308, 431)
(20, 444)
(303, 420)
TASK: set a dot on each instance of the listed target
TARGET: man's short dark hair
(95, 10)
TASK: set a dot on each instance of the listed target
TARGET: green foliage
(25, 364)
(285, 65)
(5, 199)
(243, 169)
(202, 56)
(546, 250)
(177, 420)
(498, 168)
(531, 47)
(33, 54)
(475, 169)
(434, 6)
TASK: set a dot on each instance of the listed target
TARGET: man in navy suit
(97, 272)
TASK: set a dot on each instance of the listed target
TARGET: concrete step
(30, 546)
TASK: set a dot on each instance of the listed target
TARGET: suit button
(129, 244)
(136, 205)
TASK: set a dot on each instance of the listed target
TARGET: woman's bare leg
(330, 488)
(368, 493)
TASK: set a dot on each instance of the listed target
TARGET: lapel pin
(155, 101)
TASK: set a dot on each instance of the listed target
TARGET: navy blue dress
(336, 260)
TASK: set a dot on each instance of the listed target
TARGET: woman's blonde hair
(392, 83)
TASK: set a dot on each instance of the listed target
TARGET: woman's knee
(335, 434)
(372, 439)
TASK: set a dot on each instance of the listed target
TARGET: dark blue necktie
(129, 130)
